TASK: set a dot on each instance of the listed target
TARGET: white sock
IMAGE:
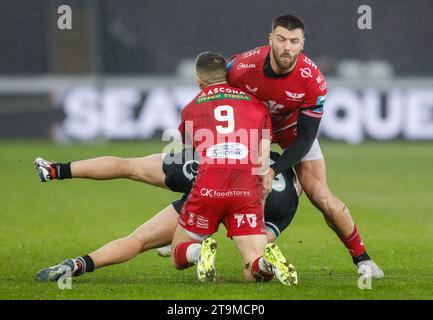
(265, 266)
(193, 252)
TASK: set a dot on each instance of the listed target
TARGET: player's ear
(270, 38)
(303, 43)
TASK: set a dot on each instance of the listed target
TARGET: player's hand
(267, 179)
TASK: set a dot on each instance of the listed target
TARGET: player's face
(286, 46)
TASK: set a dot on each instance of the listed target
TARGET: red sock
(180, 259)
(258, 273)
(354, 243)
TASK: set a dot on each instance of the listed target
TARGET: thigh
(148, 169)
(182, 235)
(311, 171)
(312, 176)
(159, 230)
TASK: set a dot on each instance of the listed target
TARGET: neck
(202, 86)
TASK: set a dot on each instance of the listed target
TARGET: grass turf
(388, 188)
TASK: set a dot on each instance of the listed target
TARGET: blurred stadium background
(124, 71)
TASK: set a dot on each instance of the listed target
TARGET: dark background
(151, 37)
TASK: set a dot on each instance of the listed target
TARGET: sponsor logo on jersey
(249, 218)
(211, 193)
(322, 82)
(310, 62)
(227, 150)
(323, 86)
(294, 96)
(202, 222)
(191, 218)
(245, 66)
(306, 72)
(220, 96)
(251, 53)
(190, 169)
(253, 90)
(217, 90)
(273, 106)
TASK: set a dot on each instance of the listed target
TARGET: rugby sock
(193, 252)
(354, 243)
(180, 259)
(362, 257)
(63, 170)
(261, 270)
(84, 264)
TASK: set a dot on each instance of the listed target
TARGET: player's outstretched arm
(147, 169)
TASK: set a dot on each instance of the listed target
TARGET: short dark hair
(288, 21)
(211, 67)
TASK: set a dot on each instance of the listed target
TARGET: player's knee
(312, 177)
(148, 170)
(136, 241)
(312, 184)
(328, 204)
(133, 168)
(319, 195)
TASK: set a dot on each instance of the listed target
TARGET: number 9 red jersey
(225, 125)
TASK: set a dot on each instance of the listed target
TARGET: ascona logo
(228, 150)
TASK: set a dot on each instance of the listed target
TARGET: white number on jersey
(225, 113)
(251, 219)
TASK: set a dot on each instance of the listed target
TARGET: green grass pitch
(387, 186)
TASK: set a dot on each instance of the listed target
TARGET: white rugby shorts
(315, 152)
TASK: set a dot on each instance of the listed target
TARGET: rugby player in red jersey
(231, 132)
(228, 131)
(294, 90)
